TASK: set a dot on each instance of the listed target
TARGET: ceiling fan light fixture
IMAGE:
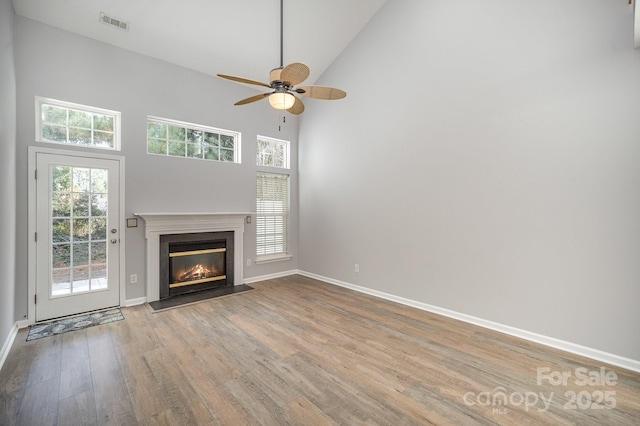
(282, 82)
(282, 100)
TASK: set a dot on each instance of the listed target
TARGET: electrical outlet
(356, 267)
(248, 262)
(133, 278)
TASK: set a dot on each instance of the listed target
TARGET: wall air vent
(118, 23)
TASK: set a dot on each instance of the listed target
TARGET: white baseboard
(270, 276)
(8, 343)
(595, 354)
(23, 324)
(142, 300)
(134, 302)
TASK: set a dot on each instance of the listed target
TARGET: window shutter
(272, 218)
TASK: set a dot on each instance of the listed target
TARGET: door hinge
(35, 173)
(35, 237)
(35, 299)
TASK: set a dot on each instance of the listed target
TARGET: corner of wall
(8, 177)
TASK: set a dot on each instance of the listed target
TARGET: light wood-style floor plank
(79, 409)
(75, 366)
(296, 351)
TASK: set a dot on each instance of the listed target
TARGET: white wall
(57, 64)
(486, 160)
(637, 21)
(7, 171)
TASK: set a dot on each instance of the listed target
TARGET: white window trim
(39, 101)
(237, 152)
(270, 258)
(277, 257)
(287, 159)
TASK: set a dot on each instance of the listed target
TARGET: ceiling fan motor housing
(274, 75)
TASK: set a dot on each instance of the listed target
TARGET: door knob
(114, 240)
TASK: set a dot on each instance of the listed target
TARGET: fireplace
(160, 224)
(195, 261)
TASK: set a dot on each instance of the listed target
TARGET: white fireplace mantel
(157, 224)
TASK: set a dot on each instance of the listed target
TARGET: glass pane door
(78, 244)
(79, 230)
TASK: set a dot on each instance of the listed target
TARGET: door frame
(31, 166)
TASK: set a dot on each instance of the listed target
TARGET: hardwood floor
(299, 351)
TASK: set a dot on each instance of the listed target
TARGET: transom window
(187, 140)
(68, 123)
(272, 152)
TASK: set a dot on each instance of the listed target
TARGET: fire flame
(196, 272)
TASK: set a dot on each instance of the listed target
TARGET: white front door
(77, 240)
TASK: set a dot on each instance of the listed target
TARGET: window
(69, 123)
(272, 217)
(186, 140)
(272, 153)
(272, 206)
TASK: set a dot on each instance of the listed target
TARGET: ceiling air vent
(118, 23)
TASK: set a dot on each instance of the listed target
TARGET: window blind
(272, 214)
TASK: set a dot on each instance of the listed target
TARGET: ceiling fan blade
(321, 92)
(243, 80)
(252, 99)
(297, 108)
(295, 73)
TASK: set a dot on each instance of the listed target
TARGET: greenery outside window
(74, 124)
(187, 140)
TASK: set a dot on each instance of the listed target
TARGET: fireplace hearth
(195, 261)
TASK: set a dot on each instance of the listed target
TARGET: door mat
(196, 297)
(78, 322)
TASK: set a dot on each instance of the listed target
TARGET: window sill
(273, 258)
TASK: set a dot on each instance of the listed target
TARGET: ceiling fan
(282, 81)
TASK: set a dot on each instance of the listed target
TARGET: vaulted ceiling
(240, 37)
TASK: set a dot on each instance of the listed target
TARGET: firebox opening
(195, 262)
(196, 266)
